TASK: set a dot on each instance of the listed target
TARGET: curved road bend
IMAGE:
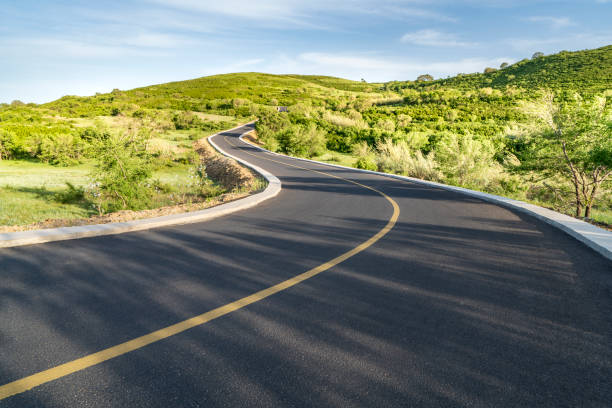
(462, 303)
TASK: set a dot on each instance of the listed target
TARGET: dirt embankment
(252, 137)
(223, 170)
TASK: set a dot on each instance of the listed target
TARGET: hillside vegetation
(481, 131)
(588, 71)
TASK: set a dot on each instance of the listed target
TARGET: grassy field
(34, 192)
(27, 205)
(31, 174)
(35, 189)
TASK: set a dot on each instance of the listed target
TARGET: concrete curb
(594, 237)
(14, 239)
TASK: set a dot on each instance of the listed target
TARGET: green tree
(6, 144)
(575, 145)
(424, 78)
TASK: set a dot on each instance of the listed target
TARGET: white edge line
(594, 237)
(21, 238)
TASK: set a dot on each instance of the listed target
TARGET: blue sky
(52, 48)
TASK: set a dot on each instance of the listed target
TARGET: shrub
(90, 134)
(416, 140)
(139, 114)
(393, 157)
(362, 149)
(185, 120)
(123, 168)
(388, 125)
(270, 142)
(365, 156)
(366, 163)
(399, 158)
(466, 161)
(343, 121)
(7, 144)
(299, 140)
(71, 195)
(62, 150)
(424, 167)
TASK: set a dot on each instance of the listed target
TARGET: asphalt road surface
(462, 303)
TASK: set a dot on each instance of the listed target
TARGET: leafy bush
(399, 158)
(366, 158)
(121, 174)
(185, 120)
(71, 195)
(466, 161)
(7, 144)
(366, 163)
(305, 141)
(62, 150)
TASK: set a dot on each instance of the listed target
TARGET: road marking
(62, 370)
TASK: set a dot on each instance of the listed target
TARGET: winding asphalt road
(462, 303)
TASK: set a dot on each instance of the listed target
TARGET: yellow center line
(62, 370)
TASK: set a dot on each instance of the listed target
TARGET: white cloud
(240, 66)
(154, 40)
(50, 47)
(152, 19)
(303, 13)
(553, 22)
(434, 38)
(262, 9)
(408, 13)
(568, 42)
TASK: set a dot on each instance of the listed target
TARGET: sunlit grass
(343, 159)
(603, 216)
(23, 173)
(30, 191)
(26, 205)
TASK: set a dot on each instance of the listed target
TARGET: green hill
(588, 71)
(214, 93)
